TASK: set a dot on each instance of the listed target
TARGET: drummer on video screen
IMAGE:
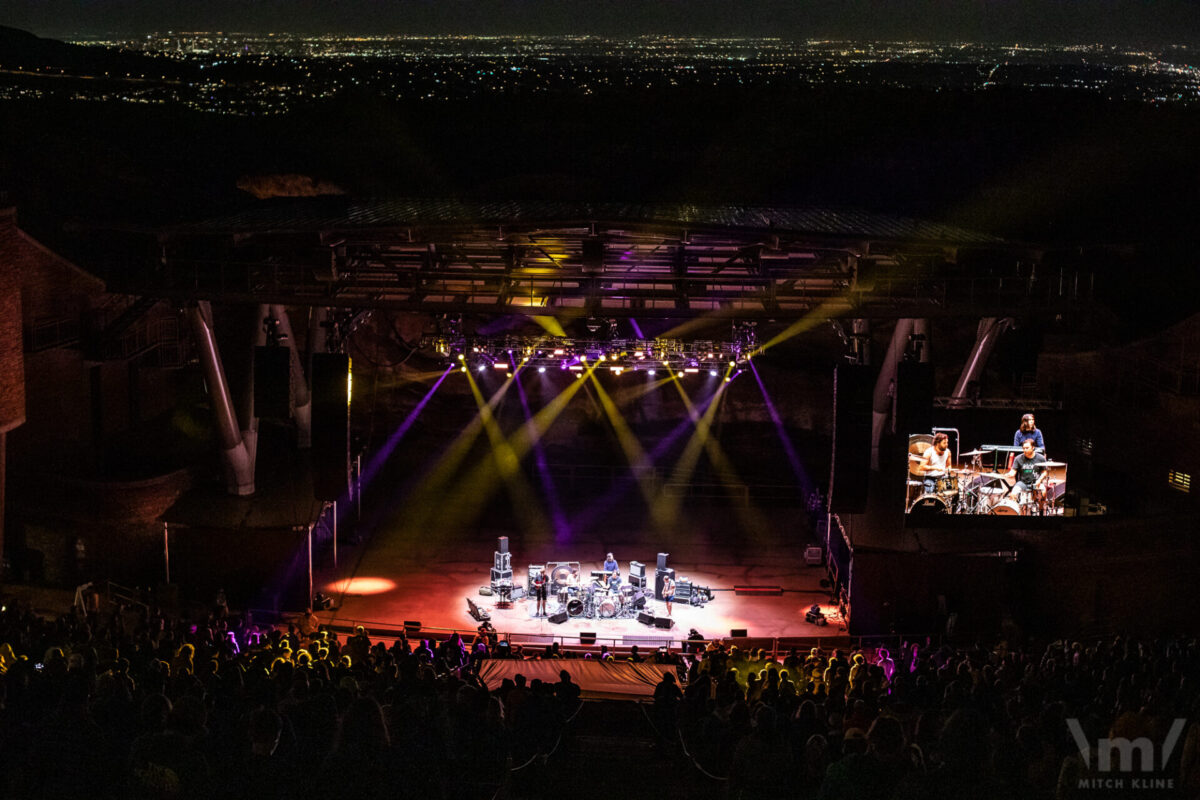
(936, 463)
(1028, 468)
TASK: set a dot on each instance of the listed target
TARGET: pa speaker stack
(502, 564)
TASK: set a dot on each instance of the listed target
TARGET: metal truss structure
(606, 261)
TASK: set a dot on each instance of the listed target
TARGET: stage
(399, 577)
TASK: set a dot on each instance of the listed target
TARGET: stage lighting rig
(613, 356)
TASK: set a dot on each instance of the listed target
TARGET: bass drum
(575, 607)
(606, 608)
(1008, 507)
(928, 505)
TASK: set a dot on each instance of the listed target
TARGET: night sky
(1053, 21)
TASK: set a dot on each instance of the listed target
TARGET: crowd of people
(135, 703)
(943, 722)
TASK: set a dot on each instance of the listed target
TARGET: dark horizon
(1112, 22)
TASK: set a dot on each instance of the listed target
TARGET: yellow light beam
(805, 323)
(685, 467)
(467, 499)
(551, 325)
(752, 519)
(424, 500)
(639, 462)
(477, 489)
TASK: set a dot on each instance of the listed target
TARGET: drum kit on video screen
(993, 479)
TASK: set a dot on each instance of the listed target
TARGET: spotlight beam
(561, 528)
(806, 323)
(424, 500)
(382, 454)
(685, 467)
(789, 449)
(482, 481)
(585, 517)
(507, 465)
(752, 520)
(635, 455)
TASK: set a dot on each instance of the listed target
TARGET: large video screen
(994, 479)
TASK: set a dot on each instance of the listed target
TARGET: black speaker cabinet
(853, 387)
(330, 393)
(645, 619)
(272, 382)
(502, 561)
(739, 633)
(558, 618)
(587, 638)
(503, 546)
(662, 560)
(637, 568)
(666, 623)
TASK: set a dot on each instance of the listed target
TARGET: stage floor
(399, 577)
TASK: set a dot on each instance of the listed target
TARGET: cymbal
(996, 476)
(962, 471)
(1051, 464)
(916, 458)
(975, 452)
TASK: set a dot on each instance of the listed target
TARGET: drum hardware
(606, 608)
(974, 453)
(575, 607)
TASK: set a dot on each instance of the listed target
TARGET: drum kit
(595, 600)
(974, 490)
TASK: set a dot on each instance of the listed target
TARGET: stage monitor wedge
(853, 386)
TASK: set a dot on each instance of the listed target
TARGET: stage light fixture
(463, 369)
(541, 369)
(500, 365)
(649, 372)
(712, 373)
(482, 368)
(681, 374)
(691, 369)
(560, 352)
